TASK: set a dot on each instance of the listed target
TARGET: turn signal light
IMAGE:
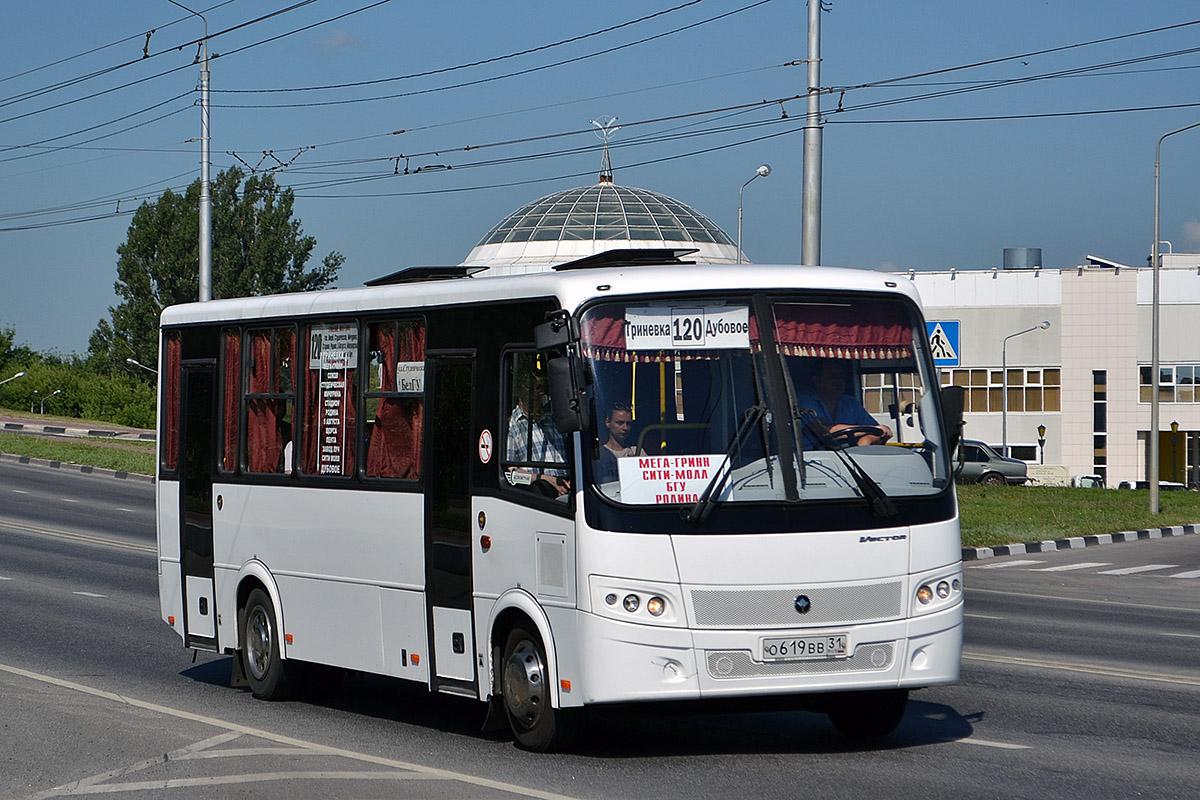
(925, 595)
(656, 606)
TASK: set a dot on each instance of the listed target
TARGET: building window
(1100, 423)
(882, 392)
(1030, 390)
(1176, 384)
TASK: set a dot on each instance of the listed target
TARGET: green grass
(135, 457)
(990, 516)
(1011, 514)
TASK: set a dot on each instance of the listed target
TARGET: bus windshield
(774, 398)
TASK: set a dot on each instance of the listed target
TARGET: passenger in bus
(827, 397)
(618, 421)
(533, 437)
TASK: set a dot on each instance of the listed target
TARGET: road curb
(109, 473)
(1076, 542)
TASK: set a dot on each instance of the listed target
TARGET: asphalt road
(1081, 678)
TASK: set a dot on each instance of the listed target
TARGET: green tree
(258, 248)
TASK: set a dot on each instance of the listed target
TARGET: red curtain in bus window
(231, 400)
(264, 443)
(395, 448)
(330, 416)
(863, 330)
(171, 407)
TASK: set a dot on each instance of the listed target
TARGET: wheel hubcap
(525, 684)
(258, 642)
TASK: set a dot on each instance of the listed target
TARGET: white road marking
(1182, 635)
(1069, 567)
(2, 578)
(982, 616)
(1021, 562)
(986, 743)
(423, 772)
(1193, 574)
(78, 537)
(67, 500)
(89, 594)
(1135, 570)
(1083, 600)
(20, 491)
(1088, 669)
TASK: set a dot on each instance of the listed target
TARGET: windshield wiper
(707, 500)
(877, 500)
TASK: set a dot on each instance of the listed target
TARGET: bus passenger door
(449, 448)
(197, 428)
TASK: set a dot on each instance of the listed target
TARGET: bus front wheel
(270, 677)
(535, 723)
(868, 715)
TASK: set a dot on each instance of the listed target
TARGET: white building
(1087, 377)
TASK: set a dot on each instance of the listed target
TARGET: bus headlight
(642, 602)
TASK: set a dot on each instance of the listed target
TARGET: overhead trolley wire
(493, 78)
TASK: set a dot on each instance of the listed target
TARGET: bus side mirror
(559, 330)
(567, 393)
(953, 400)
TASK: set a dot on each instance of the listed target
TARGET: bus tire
(868, 715)
(535, 723)
(269, 676)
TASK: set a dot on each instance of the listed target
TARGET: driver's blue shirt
(848, 412)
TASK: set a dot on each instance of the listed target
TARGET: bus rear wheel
(269, 675)
(535, 723)
(868, 715)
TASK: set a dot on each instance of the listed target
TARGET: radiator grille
(776, 608)
(724, 664)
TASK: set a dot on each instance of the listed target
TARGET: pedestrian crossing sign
(943, 342)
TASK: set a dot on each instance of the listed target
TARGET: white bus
(604, 483)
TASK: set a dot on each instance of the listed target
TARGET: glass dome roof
(606, 211)
(591, 219)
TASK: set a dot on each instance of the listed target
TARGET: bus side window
(535, 452)
(270, 399)
(330, 371)
(231, 394)
(170, 412)
(395, 399)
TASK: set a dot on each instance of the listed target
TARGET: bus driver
(828, 399)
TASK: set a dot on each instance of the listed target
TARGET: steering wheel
(848, 436)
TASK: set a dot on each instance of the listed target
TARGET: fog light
(656, 606)
(925, 595)
(943, 590)
(611, 599)
(632, 602)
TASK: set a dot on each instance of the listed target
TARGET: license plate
(796, 648)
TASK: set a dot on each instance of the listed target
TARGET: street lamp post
(1004, 380)
(47, 397)
(205, 272)
(1041, 444)
(761, 172)
(20, 374)
(143, 366)
(1155, 268)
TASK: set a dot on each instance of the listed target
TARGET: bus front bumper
(623, 662)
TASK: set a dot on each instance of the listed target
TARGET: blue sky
(945, 181)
